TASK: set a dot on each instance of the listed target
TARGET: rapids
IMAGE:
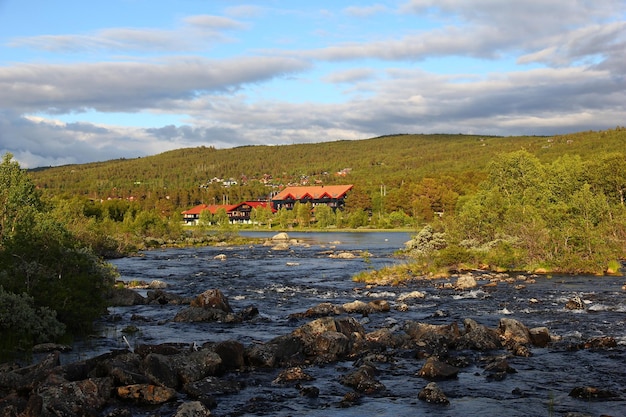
(280, 283)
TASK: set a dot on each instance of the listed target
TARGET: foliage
(22, 324)
(41, 258)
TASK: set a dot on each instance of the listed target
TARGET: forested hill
(183, 176)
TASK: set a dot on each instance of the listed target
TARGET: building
(331, 195)
(237, 213)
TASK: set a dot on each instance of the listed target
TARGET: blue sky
(92, 81)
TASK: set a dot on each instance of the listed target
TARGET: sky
(84, 81)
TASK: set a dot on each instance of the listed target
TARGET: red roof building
(331, 195)
(237, 213)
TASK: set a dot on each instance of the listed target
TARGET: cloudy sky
(85, 81)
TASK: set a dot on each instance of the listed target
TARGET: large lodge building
(331, 195)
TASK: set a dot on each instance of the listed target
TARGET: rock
(309, 391)
(320, 310)
(280, 236)
(540, 336)
(379, 305)
(231, 353)
(212, 299)
(441, 335)
(124, 297)
(51, 347)
(201, 314)
(160, 370)
(343, 255)
(86, 397)
(350, 399)
(157, 285)
(281, 246)
(599, 343)
(197, 365)
(478, 337)
(330, 346)
(356, 306)
(146, 393)
(220, 257)
(282, 350)
(432, 394)
(592, 393)
(411, 296)
(465, 282)
(295, 374)
(575, 303)
(363, 380)
(192, 409)
(434, 369)
(512, 330)
(160, 297)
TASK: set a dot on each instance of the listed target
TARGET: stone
(434, 369)
(512, 330)
(192, 409)
(213, 298)
(575, 303)
(363, 380)
(592, 393)
(231, 353)
(282, 350)
(465, 282)
(540, 336)
(124, 297)
(478, 337)
(157, 285)
(201, 314)
(280, 236)
(146, 393)
(411, 296)
(432, 394)
(294, 374)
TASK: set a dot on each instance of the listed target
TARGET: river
(280, 283)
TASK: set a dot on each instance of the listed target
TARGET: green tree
(39, 257)
(323, 215)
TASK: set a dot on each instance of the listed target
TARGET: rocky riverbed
(260, 331)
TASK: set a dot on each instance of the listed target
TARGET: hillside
(183, 176)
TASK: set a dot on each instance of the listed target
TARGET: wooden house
(331, 195)
(237, 213)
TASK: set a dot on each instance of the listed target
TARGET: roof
(313, 192)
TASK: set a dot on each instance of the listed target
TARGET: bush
(22, 324)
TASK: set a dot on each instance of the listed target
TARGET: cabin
(333, 196)
(237, 213)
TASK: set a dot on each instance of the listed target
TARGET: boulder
(146, 394)
(231, 353)
(124, 297)
(410, 296)
(575, 303)
(432, 394)
(281, 246)
(592, 393)
(192, 409)
(160, 297)
(513, 331)
(280, 236)
(294, 374)
(157, 285)
(540, 336)
(478, 337)
(465, 282)
(212, 299)
(320, 310)
(434, 369)
(280, 351)
(201, 314)
(363, 380)
(421, 332)
(63, 398)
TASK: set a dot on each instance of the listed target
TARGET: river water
(280, 283)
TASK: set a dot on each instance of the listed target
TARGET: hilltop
(185, 177)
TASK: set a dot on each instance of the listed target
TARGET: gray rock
(432, 394)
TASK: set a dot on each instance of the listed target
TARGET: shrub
(22, 324)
